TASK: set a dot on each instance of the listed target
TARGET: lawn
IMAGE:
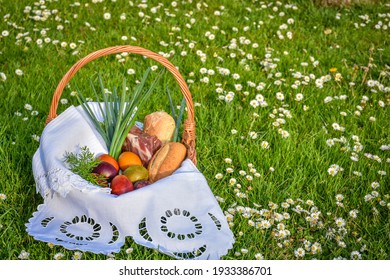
(291, 108)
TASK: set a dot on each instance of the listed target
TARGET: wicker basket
(177, 215)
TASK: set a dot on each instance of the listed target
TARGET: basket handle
(189, 124)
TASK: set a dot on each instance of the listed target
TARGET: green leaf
(171, 104)
(178, 120)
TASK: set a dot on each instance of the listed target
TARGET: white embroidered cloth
(178, 215)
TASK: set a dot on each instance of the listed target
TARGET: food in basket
(110, 160)
(160, 124)
(136, 173)
(166, 160)
(142, 144)
(121, 184)
(143, 156)
(141, 184)
(105, 169)
(127, 159)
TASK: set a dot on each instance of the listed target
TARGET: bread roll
(160, 124)
(166, 160)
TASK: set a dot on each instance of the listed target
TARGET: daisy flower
(254, 103)
(236, 76)
(330, 142)
(371, 83)
(316, 248)
(77, 255)
(285, 133)
(259, 256)
(244, 251)
(107, 16)
(353, 213)
(253, 134)
(229, 170)
(375, 185)
(328, 99)
(232, 181)
(203, 70)
(340, 222)
(229, 97)
(229, 217)
(58, 256)
(35, 137)
(298, 96)
(333, 169)
(279, 96)
(264, 145)
(336, 126)
(210, 72)
(355, 255)
(24, 255)
(300, 252)
(265, 224)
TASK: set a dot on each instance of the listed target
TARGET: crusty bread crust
(166, 160)
(160, 124)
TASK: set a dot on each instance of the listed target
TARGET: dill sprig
(83, 163)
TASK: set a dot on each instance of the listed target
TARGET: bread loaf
(160, 124)
(166, 160)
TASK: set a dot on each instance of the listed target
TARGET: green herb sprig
(83, 163)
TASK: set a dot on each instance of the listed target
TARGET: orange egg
(127, 159)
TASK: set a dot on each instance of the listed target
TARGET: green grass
(338, 37)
